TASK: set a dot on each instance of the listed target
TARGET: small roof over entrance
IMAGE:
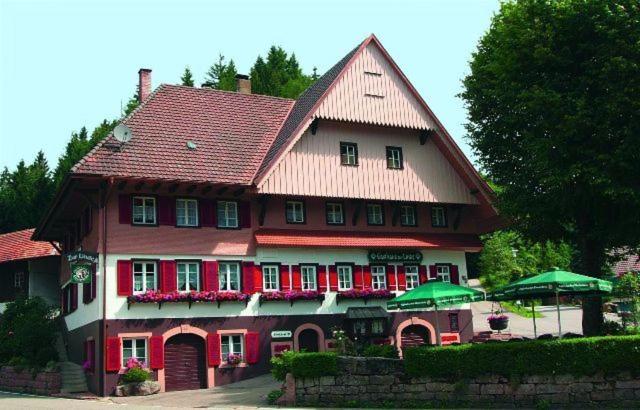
(373, 312)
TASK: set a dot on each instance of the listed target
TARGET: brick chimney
(243, 84)
(144, 84)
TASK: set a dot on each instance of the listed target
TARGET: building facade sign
(386, 256)
(281, 334)
(81, 265)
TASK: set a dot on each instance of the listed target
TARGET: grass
(520, 310)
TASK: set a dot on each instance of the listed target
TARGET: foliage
(221, 75)
(311, 365)
(387, 351)
(274, 395)
(344, 345)
(627, 289)
(281, 365)
(28, 332)
(187, 77)
(135, 375)
(580, 356)
(552, 117)
(521, 310)
(280, 75)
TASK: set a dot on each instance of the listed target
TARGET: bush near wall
(585, 356)
(304, 365)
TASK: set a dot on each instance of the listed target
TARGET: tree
(627, 288)
(280, 75)
(187, 77)
(552, 101)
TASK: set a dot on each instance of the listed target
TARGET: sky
(65, 64)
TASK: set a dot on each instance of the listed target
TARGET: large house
(233, 226)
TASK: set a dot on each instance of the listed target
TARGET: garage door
(184, 363)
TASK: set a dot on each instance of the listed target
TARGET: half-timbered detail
(234, 226)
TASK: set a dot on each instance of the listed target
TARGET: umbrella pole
(558, 310)
(533, 311)
(438, 341)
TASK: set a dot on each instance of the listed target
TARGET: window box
(365, 295)
(291, 296)
(160, 298)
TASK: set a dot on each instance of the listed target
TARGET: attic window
(373, 85)
(373, 73)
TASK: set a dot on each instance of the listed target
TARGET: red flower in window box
(291, 296)
(364, 294)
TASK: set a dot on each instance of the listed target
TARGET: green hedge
(387, 351)
(584, 356)
(304, 365)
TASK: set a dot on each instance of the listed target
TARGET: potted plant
(136, 381)
(498, 321)
(234, 359)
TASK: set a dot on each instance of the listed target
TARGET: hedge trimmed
(584, 356)
(311, 365)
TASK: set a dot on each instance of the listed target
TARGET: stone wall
(43, 383)
(362, 381)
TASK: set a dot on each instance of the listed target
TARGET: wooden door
(415, 335)
(184, 363)
(308, 341)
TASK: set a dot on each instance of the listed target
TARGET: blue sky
(65, 64)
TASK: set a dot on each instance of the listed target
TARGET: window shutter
(91, 354)
(168, 276)
(94, 282)
(367, 277)
(297, 277)
(113, 354)
(391, 278)
(322, 278)
(207, 212)
(210, 276)
(86, 292)
(244, 213)
(284, 277)
(166, 210)
(252, 347)
(455, 274)
(125, 278)
(358, 282)
(433, 272)
(422, 273)
(333, 278)
(213, 349)
(247, 277)
(156, 352)
(124, 208)
(74, 296)
(402, 278)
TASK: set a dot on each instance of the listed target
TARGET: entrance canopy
(367, 313)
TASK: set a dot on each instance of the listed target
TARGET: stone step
(73, 378)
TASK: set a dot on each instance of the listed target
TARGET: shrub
(585, 356)
(387, 351)
(281, 365)
(135, 375)
(311, 365)
(273, 396)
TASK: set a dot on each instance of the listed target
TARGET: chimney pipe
(243, 84)
(144, 84)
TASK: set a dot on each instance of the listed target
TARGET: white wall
(91, 312)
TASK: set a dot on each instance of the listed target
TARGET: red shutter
(322, 278)
(210, 276)
(433, 272)
(358, 282)
(113, 358)
(166, 210)
(455, 274)
(422, 272)
(257, 278)
(74, 296)
(245, 214)
(284, 277)
(367, 277)
(125, 278)
(124, 208)
(168, 276)
(297, 277)
(213, 349)
(207, 213)
(391, 278)
(156, 352)
(402, 278)
(248, 277)
(252, 347)
(333, 278)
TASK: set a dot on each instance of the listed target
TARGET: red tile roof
(232, 133)
(18, 245)
(343, 239)
(631, 263)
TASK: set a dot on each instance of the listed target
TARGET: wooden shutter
(252, 348)
(86, 292)
(367, 277)
(248, 277)
(90, 354)
(322, 278)
(74, 296)
(333, 278)
(297, 277)
(156, 352)
(94, 282)
(124, 208)
(113, 358)
(455, 274)
(125, 278)
(391, 277)
(168, 276)
(257, 278)
(358, 282)
(207, 212)
(284, 277)
(244, 213)
(213, 349)
(402, 278)
(166, 210)
(210, 276)
(433, 272)
(422, 273)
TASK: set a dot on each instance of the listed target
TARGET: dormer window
(295, 212)
(335, 213)
(144, 210)
(408, 215)
(348, 153)
(394, 158)
(438, 217)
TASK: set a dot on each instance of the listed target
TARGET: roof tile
(18, 245)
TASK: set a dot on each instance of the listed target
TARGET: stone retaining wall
(44, 383)
(363, 381)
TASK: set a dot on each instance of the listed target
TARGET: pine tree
(227, 81)
(187, 77)
(212, 77)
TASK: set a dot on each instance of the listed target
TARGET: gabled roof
(232, 133)
(18, 246)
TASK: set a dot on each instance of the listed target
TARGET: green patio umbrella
(435, 293)
(553, 283)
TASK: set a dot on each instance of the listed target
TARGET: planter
(499, 323)
(145, 388)
(290, 296)
(189, 298)
(364, 295)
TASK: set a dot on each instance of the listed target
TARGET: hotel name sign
(386, 256)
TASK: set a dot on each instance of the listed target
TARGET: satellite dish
(122, 133)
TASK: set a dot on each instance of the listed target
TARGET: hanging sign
(81, 265)
(281, 334)
(385, 256)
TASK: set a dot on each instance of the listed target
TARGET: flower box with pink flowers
(153, 296)
(291, 296)
(364, 294)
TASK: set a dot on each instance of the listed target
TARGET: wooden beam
(85, 195)
(155, 186)
(395, 214)
(356, 212)
(262, 201)
(222, 190)
(238, 192)
(191, 188)
(173, 188)
(207, 189)
(121, 185)
(457, 211)
(138, 186)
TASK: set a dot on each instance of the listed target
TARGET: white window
(227, 214)
(144, 210)
(348, 153)
(379, 277)
(231, 344)
(394, 157)
(187, 212)
(377, 327)
(375, 215)
(408, 215)
(134, 348)
(335, 215)
(360, 328)
(444, 273)
(18, 280)
(413, 278)
(345, 277)
(295, 212)
(270, 280)
(309, 278)
(229, 275)
(144, 276)
(188, 276)
(438, 216)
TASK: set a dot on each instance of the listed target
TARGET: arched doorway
(184, 362)
(415, 335)
(308, 341)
